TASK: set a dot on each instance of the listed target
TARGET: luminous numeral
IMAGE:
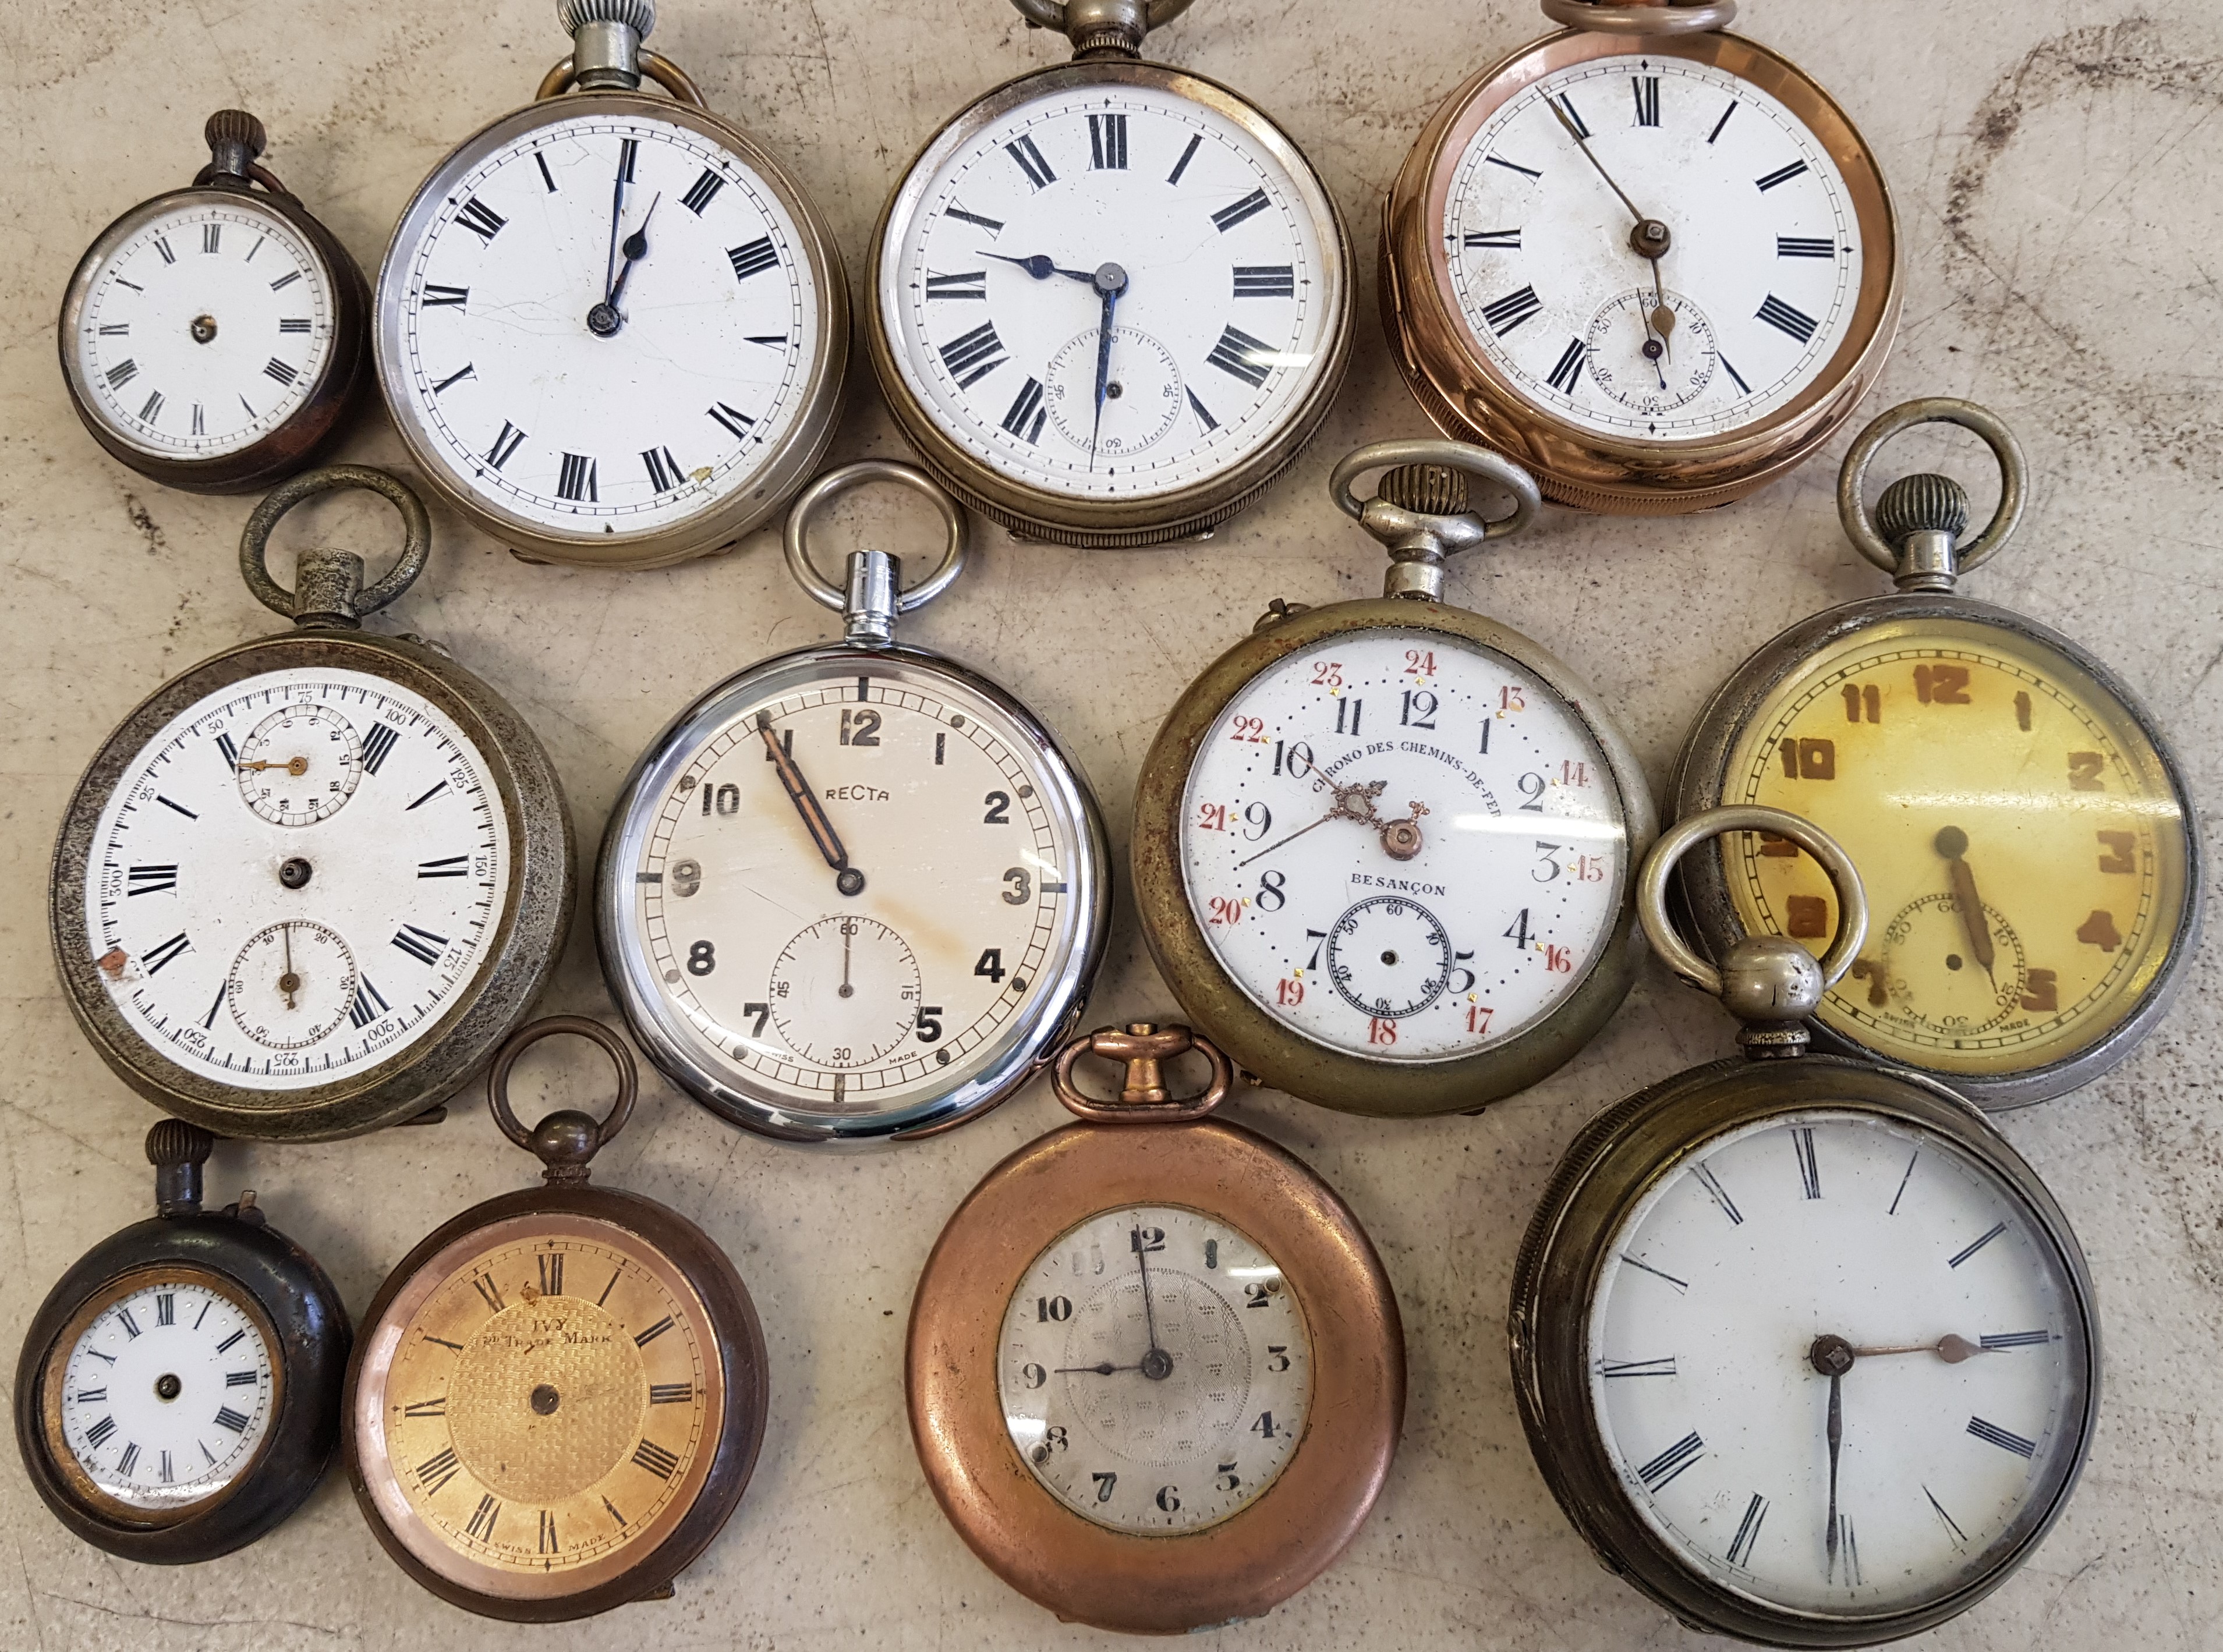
(973, 284)
(703, 190)
(421, 943)
(973, 356)
(1265, 281)
(1031, 162)
(1027, 413)
(1661, 1470)
(1510, 311)
(1245, 209)
(480, 219)
(753, 259)
(1238, 354)
(1107, 142)
(1788, 318)
(576, 480)
(1570, 370)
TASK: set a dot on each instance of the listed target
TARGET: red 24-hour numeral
(1226, 910)
(1249, 730)
(1289, 992)
(1211, 817)
(1379, 1031)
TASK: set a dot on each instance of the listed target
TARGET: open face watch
(2022, 823)
(558, 1397)
(1652, 260)
(858, 892)
(179, 1391)
(1384, 849)
(1155, 1372)
(308, 886)
(1111, 300)
(612, 328)
(215, 338)
(1806, 1351)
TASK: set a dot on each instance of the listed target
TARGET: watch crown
(235, 127)
(1922, 504)
(1428, 490)
(177, 1151)
(638, 15)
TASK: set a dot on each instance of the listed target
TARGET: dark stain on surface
(149, 529)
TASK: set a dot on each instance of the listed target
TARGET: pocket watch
(1111, 300)
(1155, 1372)
(2023, 827)
(305, 888)
(557, 1397)
(1650, 260)
(213, 338)
(611, 327)
(179, 1391)
(857, 892)
(1384, 849)
(1804, 1349)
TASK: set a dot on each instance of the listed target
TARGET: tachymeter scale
(1764, 272)
(1955, 760)
(1165, 1421)
(206, 329)
(1402, 846)
(273, 956)
(504, 382)
(967, 918)
(1836, 1223)
(1226, 323)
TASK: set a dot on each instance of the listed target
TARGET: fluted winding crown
(1428, 490)
(1920, 504)
(638, 15)
(236, 126)
(172, 1142)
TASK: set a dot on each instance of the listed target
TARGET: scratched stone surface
(2055, 164)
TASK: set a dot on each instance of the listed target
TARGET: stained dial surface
(900, 974)
(1402, 846)
(205, 331)
(2021, 841)
(624, 422)
(1156, 1370)
(1760, 281)
(1214, 287)
(1960, 1415)
(278, 926)
(165, 1395)
(545, 1400)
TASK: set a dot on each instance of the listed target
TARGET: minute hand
(806, 804)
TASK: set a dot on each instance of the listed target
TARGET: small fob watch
(557, 1397)
(1155, 1372)
(179, 1391)
(215, 337)
(2023, 826)
(1384, 849)
(856, 893)
(1805, 1351)
(1652, 260)
(611, 327)
(1111, 301)
(307, 887)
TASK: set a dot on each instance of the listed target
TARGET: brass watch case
(1619, 1157)
(1036, 513)
(1279, 1055)
(1469, 398)
(517, 959)
(1249, 1563)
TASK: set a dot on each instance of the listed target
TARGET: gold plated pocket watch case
(1155, 1372)
(612, 327)
(1805, 1351)
(858, 892)
(1384, 851)
(307, 887)
(1111, 301)
(179, 1391)
(2019, 818)
(1652, 260)
(557, 1397)
(216, 337)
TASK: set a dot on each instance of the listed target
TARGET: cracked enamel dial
(599, 327)
(1912, 1472)
(1402, 846)
(1110, 291)
(1760, 282)
(1156, 1370)
(296, 878)
(206, 330)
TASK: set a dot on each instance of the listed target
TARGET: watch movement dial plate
(1156, 1370)
(205, 326)
(273, 922)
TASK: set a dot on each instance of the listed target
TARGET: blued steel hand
(1836, 1442)
(1042, 267)
(1649, 232)
(617, 217)
(1953, 843)
(1103, 1368)
(847, 879)
(1158, 1365)
(1111, 282)
(636, 248)
(1351, 803)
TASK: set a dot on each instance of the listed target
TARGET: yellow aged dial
(2019, 834)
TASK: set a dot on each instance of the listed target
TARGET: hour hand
(846, 878)
(1953, 844)
(1042, 269)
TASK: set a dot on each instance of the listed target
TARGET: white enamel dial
(1762, 274)
(1220, 297)
(667, 405)
(1962, 1401)
(206, 329)
(167, 1396)
(279, 942)
(903, 975)
(1156, 1370)
(1402, 845)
